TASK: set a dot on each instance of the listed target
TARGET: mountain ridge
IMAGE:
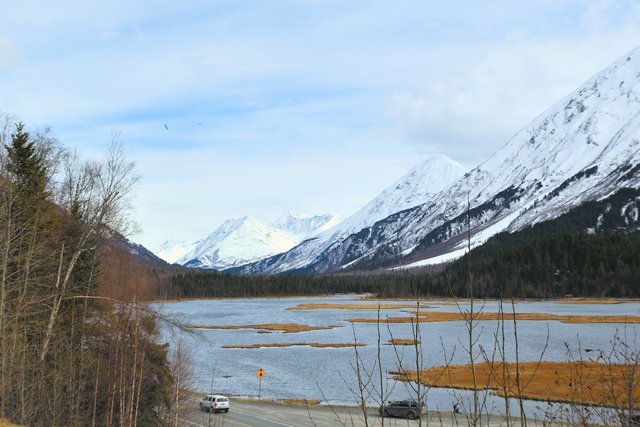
(414, 187)
(241, 240)
(582, 148)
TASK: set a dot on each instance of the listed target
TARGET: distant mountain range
(244, 240)
(413, 189)
(583, 149)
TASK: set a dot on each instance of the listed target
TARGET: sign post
(260, 374)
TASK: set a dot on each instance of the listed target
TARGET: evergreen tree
(27, 168)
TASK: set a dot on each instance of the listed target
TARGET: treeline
(212, 284)
(72, 351)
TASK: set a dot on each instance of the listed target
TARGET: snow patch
(441, 259)
(477, 239)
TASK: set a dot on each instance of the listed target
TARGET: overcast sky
(310, 106)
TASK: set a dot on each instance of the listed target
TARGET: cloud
(306, 105)
(490, 96)
(9, 54)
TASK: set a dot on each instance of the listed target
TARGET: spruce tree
(27, 170)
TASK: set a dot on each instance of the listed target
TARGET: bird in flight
(166, 127)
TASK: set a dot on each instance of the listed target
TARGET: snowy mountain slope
(236, 242)
(244, 240)
(171, 250)
(583, 148)
(414, 188)
(303, 226)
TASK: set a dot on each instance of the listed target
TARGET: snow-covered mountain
(172, 250)
(584, 148)
(240, 241)
(303, 226)
(414, 188)
(236, 242)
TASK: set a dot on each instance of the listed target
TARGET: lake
(329, 374)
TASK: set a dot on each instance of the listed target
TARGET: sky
(304, 105)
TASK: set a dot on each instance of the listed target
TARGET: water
(329, 374)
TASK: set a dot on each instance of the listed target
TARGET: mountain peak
(291, 215)
(242, 240)
(430, 176)
(303, 226)
(416, 187)
(238, 241)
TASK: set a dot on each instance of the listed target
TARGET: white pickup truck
(215, 403)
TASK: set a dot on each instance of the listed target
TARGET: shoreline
(163, 300)
(443, 300)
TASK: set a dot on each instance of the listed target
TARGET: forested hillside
(74, 350)
(591, 251)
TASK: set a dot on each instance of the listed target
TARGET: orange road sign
(260, 373)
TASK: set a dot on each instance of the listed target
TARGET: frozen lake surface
(328, 374)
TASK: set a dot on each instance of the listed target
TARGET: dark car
(401, 408)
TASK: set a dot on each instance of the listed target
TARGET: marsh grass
(597, 301)
(402, 341)
(312, 306)
(292, 344)
(480, 316)
(580, 382)
(300, 402)
(282, 327)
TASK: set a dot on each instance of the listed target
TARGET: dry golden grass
(351, 306)
(457, 316)
(283, 327)
(5, 423)
(596, 300)
(400, 341)
(300, 402)
(293, 344)
(583, 382)
(427, 300)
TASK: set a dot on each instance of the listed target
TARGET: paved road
(269, 414)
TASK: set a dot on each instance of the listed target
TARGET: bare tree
(182, 372)
(381, 389)
(364, 378)
(97, 196)
(67, 356)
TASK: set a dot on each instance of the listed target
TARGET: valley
(581, 153)
(334, 206)
(226, 360)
